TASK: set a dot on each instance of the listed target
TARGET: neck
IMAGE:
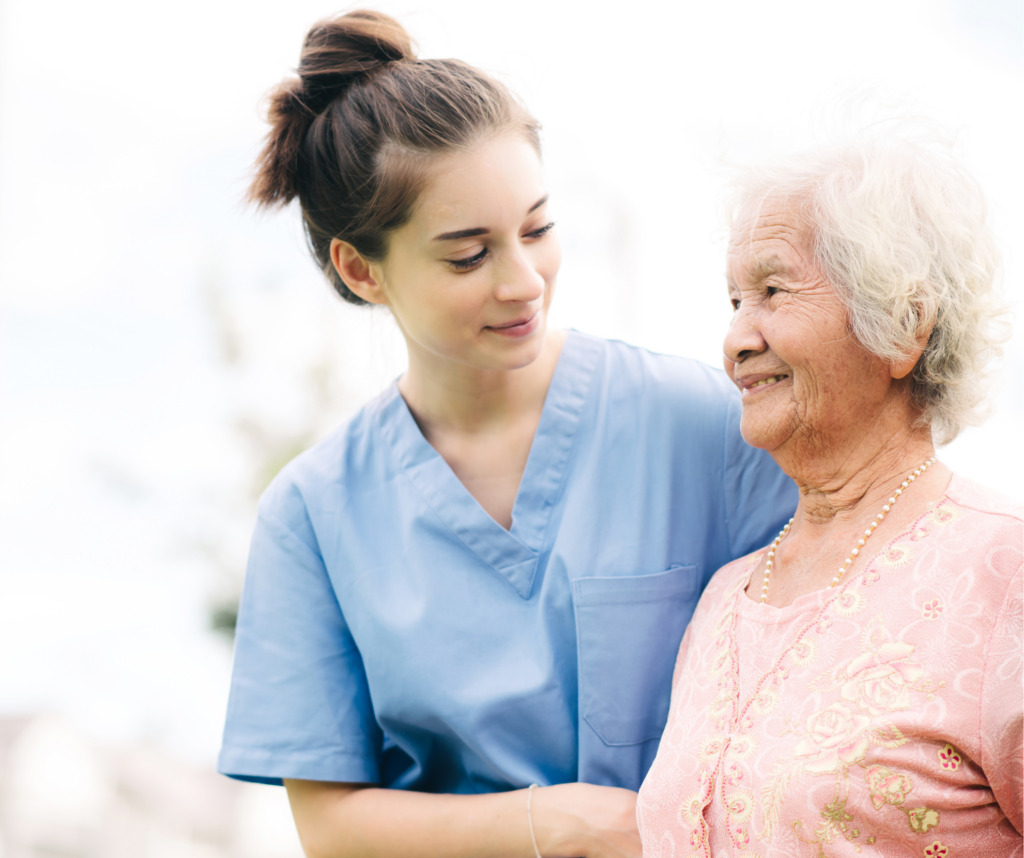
(840, 498)
(445, 396)
(842, 486)
(842, 471)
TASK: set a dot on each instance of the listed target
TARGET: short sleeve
(759, 497)
(299, 705)
(1002, 707)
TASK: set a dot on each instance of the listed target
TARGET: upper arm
(1002, 707)
(315, 805)
(300, 704)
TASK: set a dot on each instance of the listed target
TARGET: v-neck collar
(514, 553)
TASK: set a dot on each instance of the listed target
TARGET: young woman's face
(469, 277)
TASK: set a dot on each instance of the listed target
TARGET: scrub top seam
(514, 554)
(570, 452)
(408, 470)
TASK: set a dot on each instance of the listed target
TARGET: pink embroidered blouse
(879, 718)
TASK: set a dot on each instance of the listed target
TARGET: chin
(760, 433)
(523, 358)
(519, 353)
(489, 360)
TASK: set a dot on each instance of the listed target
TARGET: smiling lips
(750, 386)
(517, 328)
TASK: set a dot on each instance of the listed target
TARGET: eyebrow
(763, 268)
(480, 230)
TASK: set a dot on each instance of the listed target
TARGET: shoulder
(734, 574)
(727, 581)
(992, 507)
(658, 377)
(990, 524)
(974, 535)
(348, 457)
(684, 408)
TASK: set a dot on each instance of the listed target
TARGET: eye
(735, 304)
(540, 233)
(470, 263)
(770, 290)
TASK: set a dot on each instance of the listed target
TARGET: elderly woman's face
(788, 349)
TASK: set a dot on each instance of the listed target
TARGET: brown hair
(352, 137)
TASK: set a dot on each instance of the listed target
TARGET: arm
(299, 703)
(1001, 709)
(356, 821)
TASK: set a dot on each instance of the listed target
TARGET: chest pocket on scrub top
(629, 629)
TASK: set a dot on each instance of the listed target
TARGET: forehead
(769, 236)
(480, 187)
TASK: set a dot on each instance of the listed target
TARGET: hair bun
(336, 53)
(348, 136)
(339, 50)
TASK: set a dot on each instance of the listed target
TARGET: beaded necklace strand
(860, 542)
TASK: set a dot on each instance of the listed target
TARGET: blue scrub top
(391, 632)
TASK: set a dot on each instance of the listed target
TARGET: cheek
(809, 346)
(549, 259)
(433, 306)
(730, 368)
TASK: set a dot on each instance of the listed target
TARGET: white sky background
(126, 132)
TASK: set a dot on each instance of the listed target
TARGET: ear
(361, 275)
(903, 368)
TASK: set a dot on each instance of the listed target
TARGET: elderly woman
(855, 687)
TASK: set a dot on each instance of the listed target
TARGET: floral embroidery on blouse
(692, 807)
(945, 512)
(871, 576)
(918, 533)
(949, 758)
(710, 749)
(741, 804)
(829, 740)
(834, 739)
(921, 818)
(803, 652)
(886, 787)
(881, 678)
(849, 603)
(898, 555)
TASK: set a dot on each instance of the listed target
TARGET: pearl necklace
(860, 542)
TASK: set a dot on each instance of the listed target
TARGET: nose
(518, 279)
(743, 338)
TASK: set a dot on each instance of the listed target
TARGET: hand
(571, 820)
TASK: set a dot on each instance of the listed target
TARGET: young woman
(477, 584)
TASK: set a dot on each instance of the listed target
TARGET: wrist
(559, 829)
(529, 819)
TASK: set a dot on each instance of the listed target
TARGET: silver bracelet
(529, 817)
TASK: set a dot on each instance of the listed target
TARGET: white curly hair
(899, 230)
